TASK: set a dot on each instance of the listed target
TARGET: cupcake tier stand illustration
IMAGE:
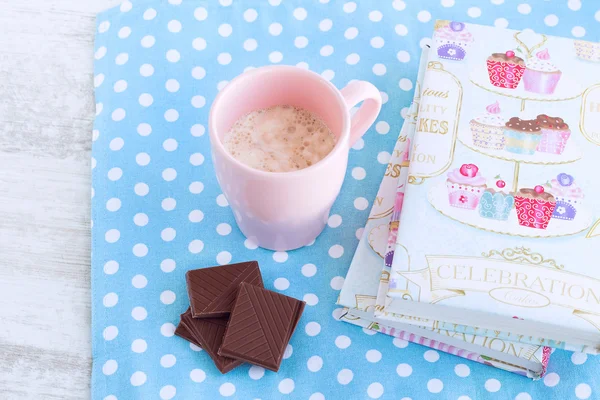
(543, 141)
(527, 75)
(552, 208)
(530, 212)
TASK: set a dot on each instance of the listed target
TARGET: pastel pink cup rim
(342, 140)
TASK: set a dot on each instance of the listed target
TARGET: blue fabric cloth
(157, 210)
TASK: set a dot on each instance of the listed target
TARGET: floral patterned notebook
(500, 228)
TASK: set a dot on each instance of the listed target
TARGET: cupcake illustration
(568, 196)
(465, 186)
(555, 133)
(522, 136)
(588, 51)
(452, 40)
(534, 207)
(505, 69)
(488, 128)
(541, 75)
(496, 204)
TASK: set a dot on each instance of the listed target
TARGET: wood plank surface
(46, 115)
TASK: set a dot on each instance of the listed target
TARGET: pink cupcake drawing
(505, 69)
(465, 186)
(541, 75)
(534, 207)
(555, 134)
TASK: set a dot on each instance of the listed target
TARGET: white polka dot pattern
(158, 211)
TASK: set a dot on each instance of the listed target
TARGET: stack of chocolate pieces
(235, 319)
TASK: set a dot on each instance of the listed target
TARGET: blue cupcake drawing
(496, 204)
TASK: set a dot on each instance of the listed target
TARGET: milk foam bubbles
(279, 139)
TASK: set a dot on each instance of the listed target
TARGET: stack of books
(481, 240)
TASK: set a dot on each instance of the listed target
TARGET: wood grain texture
(46, 115)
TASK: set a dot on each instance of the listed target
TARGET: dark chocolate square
(260, 326)
(212, 291)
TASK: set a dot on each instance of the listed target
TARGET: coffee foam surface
(279, 139)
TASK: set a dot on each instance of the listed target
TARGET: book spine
(446, 348)
(532, 340)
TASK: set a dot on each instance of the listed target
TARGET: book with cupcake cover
(375, 249)
(500, 224)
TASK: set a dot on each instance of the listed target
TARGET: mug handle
(362, 120)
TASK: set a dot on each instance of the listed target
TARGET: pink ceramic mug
(288, 210)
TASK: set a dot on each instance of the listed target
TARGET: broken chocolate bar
(260, 326)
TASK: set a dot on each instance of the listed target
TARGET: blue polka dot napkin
(157, 210)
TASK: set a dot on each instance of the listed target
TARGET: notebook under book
(362, 282)
(500, 230)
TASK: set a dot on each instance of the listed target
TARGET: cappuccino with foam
(279, 139)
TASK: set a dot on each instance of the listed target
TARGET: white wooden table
(46, 114)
